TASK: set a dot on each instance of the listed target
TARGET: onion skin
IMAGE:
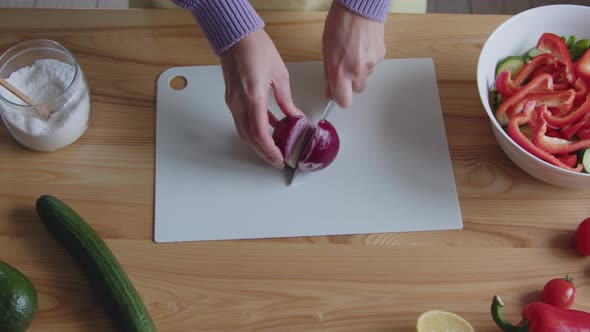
(322, 148)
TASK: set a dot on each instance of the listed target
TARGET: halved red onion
(322, 148)
(290, 133)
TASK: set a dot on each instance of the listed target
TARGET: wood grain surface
(518, 231)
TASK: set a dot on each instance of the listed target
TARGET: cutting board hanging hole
(178, 83)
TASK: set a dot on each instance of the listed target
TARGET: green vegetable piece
(578, 49)
(570, 41)
(495, 99)
(586, 160)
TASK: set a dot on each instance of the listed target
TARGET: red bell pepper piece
(569, 131)
(581, 91)
(583, 133)
(552, 145)
(557, 71)
(551, 69)
(537, 62)
(553, 44)
(553, 133)
(543, 82)
(521, 139)
(583, 65)
(586, 121)
(508, 87)
(542, 317)
(561, 100)
(528, 110)
(571, 118)
(505, 85)
(555, 111)
(560, 80)
(569, 159)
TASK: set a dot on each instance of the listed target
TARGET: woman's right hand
(251, 68)
(352, 47)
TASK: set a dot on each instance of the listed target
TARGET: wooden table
(518, 230)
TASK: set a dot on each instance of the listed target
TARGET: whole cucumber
(98, 262)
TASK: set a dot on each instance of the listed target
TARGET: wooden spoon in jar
(41, 110)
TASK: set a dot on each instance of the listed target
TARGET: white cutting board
(393, 172)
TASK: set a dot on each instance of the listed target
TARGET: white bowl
(516, 36)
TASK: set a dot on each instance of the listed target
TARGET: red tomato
(583, 237)
(559, 292)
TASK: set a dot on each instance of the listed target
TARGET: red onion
(292, 132)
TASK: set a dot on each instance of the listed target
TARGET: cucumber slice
(534, 52)
(586, 160)
(512, 63)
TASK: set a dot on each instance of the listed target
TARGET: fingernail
(278, 163)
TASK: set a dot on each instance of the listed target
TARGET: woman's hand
(250, 68)
(352, 46)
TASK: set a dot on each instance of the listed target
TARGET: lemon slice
(442, 321)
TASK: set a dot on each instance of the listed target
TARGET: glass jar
(50, 76)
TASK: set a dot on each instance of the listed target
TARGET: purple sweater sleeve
(375, 10)
(225, 22)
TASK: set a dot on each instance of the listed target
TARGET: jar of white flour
(48, 74)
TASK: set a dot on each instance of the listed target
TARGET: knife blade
(324, 116)
(327, 110)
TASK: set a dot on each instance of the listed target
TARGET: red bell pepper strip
(542, 317)
(552, 145)
(571, 118)
(553, 44)
(537, 62)
(508, 87)
(543, 82)
(520, 139)
(553, 133)
(528, 110)
(570, 130)
(586, 121)
(569, 159)
(505, 85)
(551, 69)
(557, 71)
(583, 133)
(562, 100)
(583, 65)
(560, 80)
(581, 91)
